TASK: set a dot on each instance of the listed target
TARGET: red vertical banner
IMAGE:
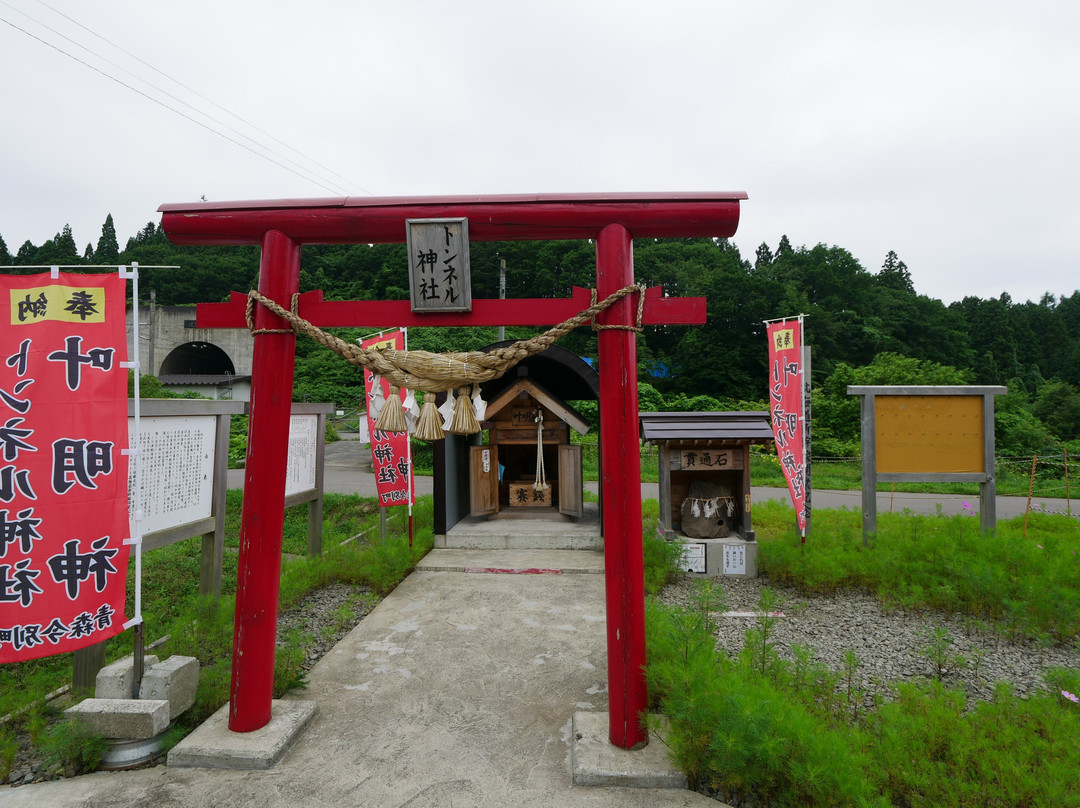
(63, 474)
(787, 409)
(390, 457)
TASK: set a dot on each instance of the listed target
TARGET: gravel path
(888, 645)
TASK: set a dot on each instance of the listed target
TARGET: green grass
(1027, 587)
(1013, 478)
(784, 738)
(789, 733)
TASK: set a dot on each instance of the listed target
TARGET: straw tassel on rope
(392, 416)
(464, 421)
(429, 425)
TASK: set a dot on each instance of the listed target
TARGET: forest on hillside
(865, 326)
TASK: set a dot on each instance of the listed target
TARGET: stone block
(595, 761)
(717, 558)
(129, 719)
(175, 680)
(117, 679)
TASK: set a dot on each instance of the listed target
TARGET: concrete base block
(176, 680)
(596, 762)
(117, 679)
(729, 557)
(123, 718)
(214, 746)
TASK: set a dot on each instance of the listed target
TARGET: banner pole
(133, 452)
(408, 454)
(806, 383)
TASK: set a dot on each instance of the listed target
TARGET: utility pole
(502, 293)
(152, 369)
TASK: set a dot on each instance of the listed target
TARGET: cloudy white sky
(947, 131)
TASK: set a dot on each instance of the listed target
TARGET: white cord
(541, 477)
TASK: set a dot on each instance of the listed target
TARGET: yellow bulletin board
(929, 434)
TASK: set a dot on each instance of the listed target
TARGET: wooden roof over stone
(661, 427)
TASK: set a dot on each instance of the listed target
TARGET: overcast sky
(947, 131)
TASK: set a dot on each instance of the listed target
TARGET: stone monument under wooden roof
(704, 484)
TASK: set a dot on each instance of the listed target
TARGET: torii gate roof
(491, 218)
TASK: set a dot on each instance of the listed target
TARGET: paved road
(348, 471)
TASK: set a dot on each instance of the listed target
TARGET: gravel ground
(888, 645)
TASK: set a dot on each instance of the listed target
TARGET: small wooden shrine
(528, 461)
(493, 475)
(704, 484)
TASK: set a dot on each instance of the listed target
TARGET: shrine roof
(561, 409)
(752, 426)
(561, 372)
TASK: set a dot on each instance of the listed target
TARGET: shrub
(74, 745)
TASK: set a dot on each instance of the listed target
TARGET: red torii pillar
(281, 227)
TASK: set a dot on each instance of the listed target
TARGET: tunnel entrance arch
(197, 359)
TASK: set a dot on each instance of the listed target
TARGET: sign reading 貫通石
(390, 457)
(787, 407)
(63, 477)
(439, 272)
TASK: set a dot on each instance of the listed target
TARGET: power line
(306, 176)
(196, 93)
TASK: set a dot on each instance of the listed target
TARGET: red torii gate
(281, 227)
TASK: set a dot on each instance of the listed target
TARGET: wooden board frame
(936, 468)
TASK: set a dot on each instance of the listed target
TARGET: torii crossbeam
(281, 227)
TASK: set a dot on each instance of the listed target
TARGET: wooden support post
(869, 468)
(86, 662)
(315, 507)
(259, 565)
(663, 461)
(624, 564)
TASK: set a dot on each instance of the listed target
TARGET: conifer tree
(108, 249)
(26, 253)
(66, 248)
(894, 274)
